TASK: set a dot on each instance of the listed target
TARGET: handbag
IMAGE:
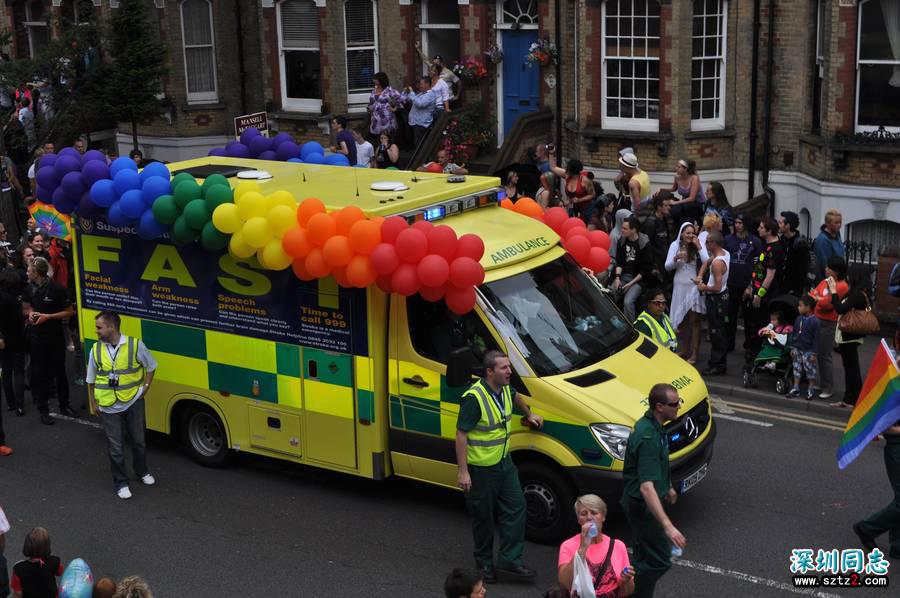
(860, 322)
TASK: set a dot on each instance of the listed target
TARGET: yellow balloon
(226, 219)
(245, 187)
(283, 198)
(281, 219)
(251, 205)
(238, 248)
(273, 256)
(256, 232)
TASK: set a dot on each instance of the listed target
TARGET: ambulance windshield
(558, 319)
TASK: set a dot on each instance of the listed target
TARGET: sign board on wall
(259, 120)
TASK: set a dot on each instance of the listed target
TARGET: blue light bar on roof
(434, 213)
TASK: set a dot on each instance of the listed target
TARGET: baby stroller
(774, 358)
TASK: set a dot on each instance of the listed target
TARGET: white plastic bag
(582, 583)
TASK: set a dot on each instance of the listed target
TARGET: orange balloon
(308, 208)
(346, 218)
(337, 251)
(320, 228)
(340, 275)
(379, 220)
(365, 235)
(528, 207)
(296, 243)
(299, 267)
(507, 203)
(315, 264)
(360, 272)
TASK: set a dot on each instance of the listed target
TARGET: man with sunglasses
(655, 323)
(647, 482)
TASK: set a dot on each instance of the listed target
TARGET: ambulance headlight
(613, 438)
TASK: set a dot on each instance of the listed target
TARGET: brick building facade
(671, 78)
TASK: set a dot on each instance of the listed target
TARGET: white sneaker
(148, 480)
(124, 493)
(826, 395)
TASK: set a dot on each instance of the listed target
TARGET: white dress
(685, 296)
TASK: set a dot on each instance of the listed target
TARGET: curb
(817, 406)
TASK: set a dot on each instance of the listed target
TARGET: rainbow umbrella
(51, 220)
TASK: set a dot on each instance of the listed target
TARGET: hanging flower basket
(471, 69)
(542, 52)
(494, 55)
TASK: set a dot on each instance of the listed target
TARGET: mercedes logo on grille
(691, 428)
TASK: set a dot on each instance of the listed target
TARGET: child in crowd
(35, 576)
(805, 346)
(777, 334)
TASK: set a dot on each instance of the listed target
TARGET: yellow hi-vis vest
(663, 333)
(125, 366)
(488, 441)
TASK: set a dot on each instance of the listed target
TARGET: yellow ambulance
(357, 381)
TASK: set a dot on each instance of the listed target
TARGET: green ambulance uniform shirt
(647, 458)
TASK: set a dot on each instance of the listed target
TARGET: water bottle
(676, 552)
(593, 531)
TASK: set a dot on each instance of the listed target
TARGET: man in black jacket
(656, 227)
(796, 255)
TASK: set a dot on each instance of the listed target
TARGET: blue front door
(520, 82)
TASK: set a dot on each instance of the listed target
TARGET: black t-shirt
(772, 257)
(48, 298)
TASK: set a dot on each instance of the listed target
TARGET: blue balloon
(295, 160)
(314, 158)
(249, 134)
(238, 150)
(258, 145)
(267, 155)
(103, 194)
(360, 166)
(230, 143)
(125, 180)
(77, 580)
(73, 184)
(115, 216)
(70, 151)
(66, 164)
(93, 156)
(132, 204)
(122, 164)
(287, 150)
(311, 147)
(155, 169)
(149, 228)
(155, 186)
(46, 178)
(93, 171)
(337, 160)
(48, 160)
(216, 151)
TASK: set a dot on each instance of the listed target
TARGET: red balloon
(433, 271)
(460, 301)
(442, 241)
(569, 224)
(579, 247)
(340, 275)
(405, 280)
(392, 227)
(555, 217)
(432, 293)
(577, 231)
(424, 226)
(315, 264)
(435, 167)
(299, 267)
(384, 259)
(384, 283)
(598, 259)
(599, 238)
(412, 245)
(466, 272)
(470, 246)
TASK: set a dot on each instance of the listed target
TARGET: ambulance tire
(549, 497)
(203, 436)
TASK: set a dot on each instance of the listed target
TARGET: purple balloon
(66, 164)
(281, 138)
(267, 155)
(295, 160)
(43, 195)
(70, 151)
(126, 180)
(238, 150)
(230, 143)
(48, 160)
(92, 156)
(148, 227)
(115, 216)
(62, 202)
(73, 184)
(46, 178)
(287, 150)
(249, 134)
(132, 204)
(216, 151)
(258, 145)
(88, 208)
(94, 171)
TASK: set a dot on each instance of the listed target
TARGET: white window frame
(718, 122)
(202, 97)
(820, 62)
(650, 125)
(858, 127)
(30, 24)
(358, 102)
(311, 105)
(425, 27)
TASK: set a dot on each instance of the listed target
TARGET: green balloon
(182, 233)
(180, 178)
(197, 214)
(212, 180)
(186, 192)
(212, 239)
(217, 195)
(165, 210)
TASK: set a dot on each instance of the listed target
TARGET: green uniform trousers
(888, 518)
(496, 496)
(652, 548)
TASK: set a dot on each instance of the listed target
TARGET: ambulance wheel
(203, 435)
(549, 497)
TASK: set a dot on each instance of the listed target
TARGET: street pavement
(267, 528)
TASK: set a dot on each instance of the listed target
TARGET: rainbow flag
(877, 409)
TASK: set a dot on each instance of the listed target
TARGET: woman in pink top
(607, 559)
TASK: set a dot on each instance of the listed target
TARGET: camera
(113, 381)
(550, 148)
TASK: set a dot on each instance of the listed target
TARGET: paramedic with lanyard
(486, 471)
(119, 372)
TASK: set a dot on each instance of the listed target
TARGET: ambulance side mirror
(459, 367)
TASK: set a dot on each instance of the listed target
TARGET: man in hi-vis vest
(486, 471)
(119, 372)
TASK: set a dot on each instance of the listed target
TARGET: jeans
(717, 319)
(48, 368)
(115, 426)
(13, 365)
(631, 297)
(826, 353)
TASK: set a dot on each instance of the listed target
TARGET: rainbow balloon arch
(281, 233)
